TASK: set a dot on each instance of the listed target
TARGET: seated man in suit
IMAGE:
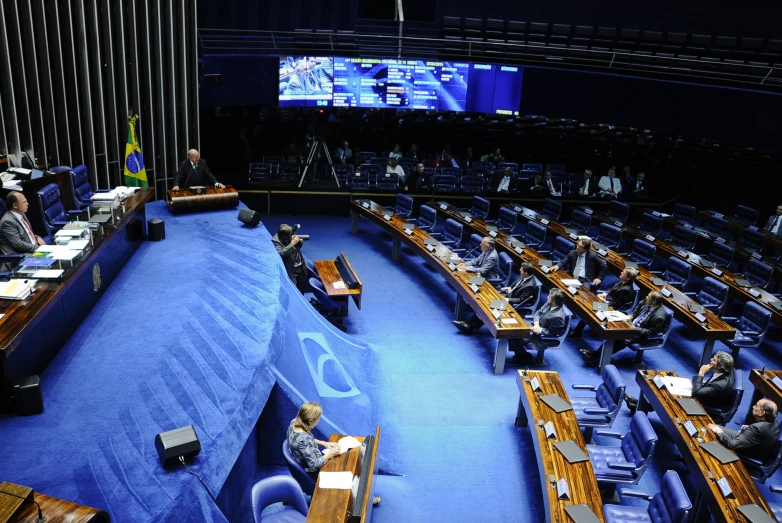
(585, 266)
(757, 439)
(618, 296)
(609, 185)
(548, 321)
(648, 320)
(638, 187)
(589, 189)
(522, 292)
(194, 172)
(715, 391)
(16, 233)
(774, 223)
(485, 264)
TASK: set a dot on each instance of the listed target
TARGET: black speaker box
(249, 217)
(178, 442)
(135, 230)
(27, 396)
(156, 230)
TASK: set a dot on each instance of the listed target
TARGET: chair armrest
(609, 434)
(632, 493)
(624, 254)
(584, 387)
(691, 294)
(596, 410)
(620, 465)
(729, 319)
(458, 250)
(435, 233)
(549, 338)
(489, 221)
(750, 334)
(753, 461)
(75, 212)
(775, 488)
(657, 272)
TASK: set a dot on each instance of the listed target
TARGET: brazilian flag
(135, 174)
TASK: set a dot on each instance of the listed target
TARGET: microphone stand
(40, 519)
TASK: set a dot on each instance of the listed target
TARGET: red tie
(29, 229)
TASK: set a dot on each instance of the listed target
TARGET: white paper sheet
(336, 480)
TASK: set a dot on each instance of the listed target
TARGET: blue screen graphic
(402, 84)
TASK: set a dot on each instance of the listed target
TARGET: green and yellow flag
(135, 174)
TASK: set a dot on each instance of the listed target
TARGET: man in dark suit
(715, 391)
(589, 188)
(618, 296)
(522, 292)
(648, 320)
(585, 265)
(288, 245)
(774, 223)
(194, 172)
(757, 439)
(548, 321)
(16, 233)
(485, 264)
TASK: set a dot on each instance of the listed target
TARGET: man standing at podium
(194, 172)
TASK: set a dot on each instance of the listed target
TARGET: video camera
(304, 237)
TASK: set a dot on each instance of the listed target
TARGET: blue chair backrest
(404, 205)
(717, 226)
(609, 234)
(682, 237)
(279, 489)
(643, 251)
(472, 184)
(755, 318)
(746, 214)
(634, 302)
(536, 167)
(506, 268)
(555, 168)
(475, 244)
(650, 224)
(758, 273)
(618, 210)
(684, 212)
(51, 207)
(535, 234)
(454, 171)
(513, 166)
(728, 411)
(562, 246)
(750, 239)
(483, 165)
(671, 504)
(639, 444)
(453, 232)
(612, 391)
(427, 217)
(480, 207)
(580, 221)
(678, 270)
(80, 182)
(507, 219)
(388, 181)
(713, 295)
(551, 209)
(721, 254)
(297, 471)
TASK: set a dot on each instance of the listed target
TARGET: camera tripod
(313, 157)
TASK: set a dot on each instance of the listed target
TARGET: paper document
(48, 273)
(339, 284)
(678, 386)
(347, 443)
(571, 283)
(617, 316)
(69, 232)
(78, 244)
(65, 254)
(336, 480)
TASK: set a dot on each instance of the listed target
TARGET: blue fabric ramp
(189, 333)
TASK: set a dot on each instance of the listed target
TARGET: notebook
(476, 280)
(718, 451)
(556, 403)
(500, 305)
(754, 514)
(571, 451)
(691, 407)
(583, 514)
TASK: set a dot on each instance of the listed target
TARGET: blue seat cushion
(600, 456)
(288, 515)
(623, 514)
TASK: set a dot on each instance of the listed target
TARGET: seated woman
(304, 446)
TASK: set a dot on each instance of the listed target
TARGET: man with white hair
(194, 172)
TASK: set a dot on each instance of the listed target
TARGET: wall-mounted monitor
(403, 84)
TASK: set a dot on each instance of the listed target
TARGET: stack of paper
(617, 316)
(678, 386)
(49, 273)
(15, 289)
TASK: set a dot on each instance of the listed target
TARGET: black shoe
(520, 359)
(632, 402)
(463, 326)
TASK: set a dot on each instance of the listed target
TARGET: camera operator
(288, 244)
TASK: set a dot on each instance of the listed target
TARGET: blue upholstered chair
(387, 182)
(301, 476)
(535, 236)
(626, 463)
(513, 166)
(506, 221)
(717, 227)
(329, 306)
(551, 209)
(723, 415)
(684, 213)
(653, 342)
(452, 235)
(561, 247)
(555, 168)
(713, 295)
(618, 211)
(535, 167)
(480, 207)
(472, 184)
(54, 215)
(403, 207)
(311, 272)
(746, 214)
(473, 246)
(761, 470)
(650, 224)
(279, 489)
(550, 342)
(580, 221)
(758, 273)
(601, 409)
(670, 505)
(359, 181)
(751, 327)
(630, 307)
(445, 182)
(529, 309)
(609, 235)
(677, 273)
(720, 254)
(683, 238)
(752, 241)
(643, 252)
(427, 218)
(80, 186)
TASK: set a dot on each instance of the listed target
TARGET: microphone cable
(187, 469)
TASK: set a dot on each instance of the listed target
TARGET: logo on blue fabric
(330, 377)
(96, 277)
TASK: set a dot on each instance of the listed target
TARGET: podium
(17, 510)
(209, 198)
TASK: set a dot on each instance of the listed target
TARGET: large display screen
(311, 81)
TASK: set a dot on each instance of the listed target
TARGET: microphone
(192, 168)
(40, 519)
(763, 372)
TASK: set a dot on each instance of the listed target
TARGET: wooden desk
(580, 476)
(714, 329)
(37, 327)
(511, 324)
(15, 510)
(738, 227)
(331, 272)
(764, 387)
(700, 462)
(666, 250)
(211, 199)
(334, 505)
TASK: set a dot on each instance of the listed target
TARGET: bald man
(194, 172)
(16, 233)
(757, 439)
